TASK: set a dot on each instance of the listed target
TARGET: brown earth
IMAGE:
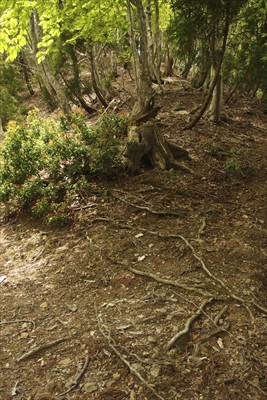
(98, 309)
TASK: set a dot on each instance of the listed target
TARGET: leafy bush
(10, 106)
(45, 166)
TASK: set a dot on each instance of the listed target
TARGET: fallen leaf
(139, 235)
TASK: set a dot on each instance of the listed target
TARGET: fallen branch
(45, 346)
(183, 332)
(113, 346)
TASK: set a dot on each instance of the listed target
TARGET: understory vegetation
(46, 166)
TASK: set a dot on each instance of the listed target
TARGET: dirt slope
(158, 289)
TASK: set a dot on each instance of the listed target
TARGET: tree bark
(93, 78)
(25, 71)
(1, 131)
(215, 108)
(44, 68)
(203, 108)
(144, 90)
(148, 146)
(168, 71)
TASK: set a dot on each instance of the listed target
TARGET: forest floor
(158, 289)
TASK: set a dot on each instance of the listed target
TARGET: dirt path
(100, 309)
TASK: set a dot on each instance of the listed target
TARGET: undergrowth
(47, 166)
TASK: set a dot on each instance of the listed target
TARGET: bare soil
(158, 289)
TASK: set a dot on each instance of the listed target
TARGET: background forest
(133, 186)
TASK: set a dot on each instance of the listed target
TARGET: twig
(90, 205)
(39, 254)
(36, 350)
(207, 337)
(258, 388)
(183, 332)
(18, 321)
(77, 379)
(112, 345)
(145, 208)
(202, 228)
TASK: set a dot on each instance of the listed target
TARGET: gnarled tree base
(146, 145)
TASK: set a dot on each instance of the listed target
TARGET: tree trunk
(168, 71)
(157, 38)
(93, 78)
(215, 108)
(44, 68)
(147, 145)
(213, 84)
(75, 87)
(144, 90)
(154, 71)
(202, 74)
(25, 71)
(1, 131)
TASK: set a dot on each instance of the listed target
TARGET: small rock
(90, 387)
(24, 335)
(155, 371)
(151, 339)
(65, 361)
(44, 305)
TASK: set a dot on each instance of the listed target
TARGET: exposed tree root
(76, 381)
(45, 346)
(147, 145)
(155, 212)
(185, 331)
(112, 344)
(166, 281)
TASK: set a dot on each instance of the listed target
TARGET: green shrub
(45, 166)
(10, 104)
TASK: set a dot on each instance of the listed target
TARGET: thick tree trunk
(148, 146)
